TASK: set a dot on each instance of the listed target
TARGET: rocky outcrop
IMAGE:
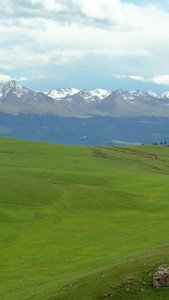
(161, 277)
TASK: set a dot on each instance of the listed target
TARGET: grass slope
(69, 213)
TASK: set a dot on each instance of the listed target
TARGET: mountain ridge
(15, 98)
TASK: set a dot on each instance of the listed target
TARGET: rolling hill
(76, 221)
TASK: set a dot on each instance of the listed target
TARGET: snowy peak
(59, 94)
(95, 95)
(153, 94)
(125, 95)
(16, 96)
(100, 93)
(135, 97)
(70, 94)
(164, 95)
(139, 93)
(11, 85)
(74, 102)
(1, 87)
(14, 87)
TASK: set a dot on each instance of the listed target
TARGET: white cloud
(117, 14)
(134, 77)
(163, 79)
(36, 35)
(7, 6)
(4, 78)
(50, 5)
(23, 79)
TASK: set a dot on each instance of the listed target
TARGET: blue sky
(86, 44)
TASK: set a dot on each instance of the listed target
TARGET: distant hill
(97, 130)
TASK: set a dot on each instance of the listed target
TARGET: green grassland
(68, 214)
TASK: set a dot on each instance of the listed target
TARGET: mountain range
(71, 102)
(83, 117)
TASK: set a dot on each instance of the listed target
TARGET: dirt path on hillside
(98, 153)
(150, 155)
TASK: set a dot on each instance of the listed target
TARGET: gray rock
(161, 277)
(130, 280)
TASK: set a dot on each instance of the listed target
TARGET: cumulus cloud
(163, 79)
(23, 79)
(114, 13)
(4, 78)
(37, 35)
(134, 77)
(32, 8)
(49, 5)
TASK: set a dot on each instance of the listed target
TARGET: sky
(85, 44)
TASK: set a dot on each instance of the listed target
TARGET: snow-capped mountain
(95, 95)
(164, 95)
(83, 117)
(16, 97)
(85, 95)
(15, 88)
(88, 97)
(59, 94)
(1, 87)
(82, 103)
(142, 94)
(153, 94)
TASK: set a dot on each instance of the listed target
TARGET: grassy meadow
(75, 221)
